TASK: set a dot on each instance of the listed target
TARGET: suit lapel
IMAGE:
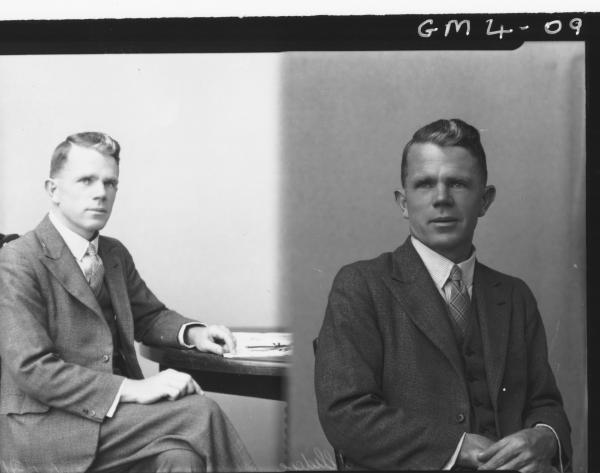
(61, 263)
(414, 289)
(117, 287)
(494, 316)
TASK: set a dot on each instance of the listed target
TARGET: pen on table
(270, 347)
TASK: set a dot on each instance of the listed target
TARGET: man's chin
(451, 247)
(96, 225)
(97, 220)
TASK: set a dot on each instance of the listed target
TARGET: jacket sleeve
(154, 323)
(352, 409)
(544, 403)
(30, 358)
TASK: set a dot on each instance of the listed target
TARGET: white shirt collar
(76, 243)
(439, 267)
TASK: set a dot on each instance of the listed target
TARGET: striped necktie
(93, 269)
(458, 300)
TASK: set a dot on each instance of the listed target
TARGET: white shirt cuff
(181, 335)
(450, 463)
(113, 407)
(560, 462)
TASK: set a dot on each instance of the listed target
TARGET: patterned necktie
(93, 269)
(458, 301)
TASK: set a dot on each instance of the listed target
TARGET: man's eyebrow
(423, 179)
(465, 178)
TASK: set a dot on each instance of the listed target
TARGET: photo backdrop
(347, 116)
(197, 200)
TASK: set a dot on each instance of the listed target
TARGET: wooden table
(244, 377)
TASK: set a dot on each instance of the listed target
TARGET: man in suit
(428, 359)
(72, 396)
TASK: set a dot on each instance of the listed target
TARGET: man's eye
(85, 180)
(459, 184)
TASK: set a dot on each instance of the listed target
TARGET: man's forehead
(80, 157)
(423, 155)
(430, 149)
(86, 151)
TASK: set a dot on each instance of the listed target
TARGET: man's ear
(51, 189)
(401, 201)
(489, 194)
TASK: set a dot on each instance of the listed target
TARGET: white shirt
(439, 268)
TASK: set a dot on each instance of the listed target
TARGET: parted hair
(101, 142)
(444, 132)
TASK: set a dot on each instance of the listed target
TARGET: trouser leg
(137, 432)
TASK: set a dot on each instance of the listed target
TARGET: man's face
(84, 190)
(443, 197)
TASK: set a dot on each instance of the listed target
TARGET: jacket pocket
(21, 404)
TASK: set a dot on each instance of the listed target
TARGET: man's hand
(528, 450)
(214, 338)
(168, 384)
(472, 446)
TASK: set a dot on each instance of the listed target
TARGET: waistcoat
(482, 418)
(119, 365)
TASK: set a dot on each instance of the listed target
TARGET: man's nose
(442, 195)
(99, 190)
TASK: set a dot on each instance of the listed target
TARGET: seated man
(72, 396)
(428, 359)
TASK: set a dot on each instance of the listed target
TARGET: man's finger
(197, 388)
(171, 393)
(491, 451)
(189, 388)
(515, 463)
(212, 347)
(176, 380)
(501, 458)
(221, 332)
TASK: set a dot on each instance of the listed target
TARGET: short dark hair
(443, 132)
(101, 142)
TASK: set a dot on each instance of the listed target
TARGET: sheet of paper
(262, 345)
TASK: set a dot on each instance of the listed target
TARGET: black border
(276, 34)
(592, 239)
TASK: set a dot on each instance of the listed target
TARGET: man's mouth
(444, 220)
(98, 210)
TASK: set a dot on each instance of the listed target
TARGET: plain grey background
(346, 118)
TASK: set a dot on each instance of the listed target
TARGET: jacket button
(92, 413)
(460, 418)
(105, 358)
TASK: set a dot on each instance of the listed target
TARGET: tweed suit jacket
(390, 383)
(56, 347)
